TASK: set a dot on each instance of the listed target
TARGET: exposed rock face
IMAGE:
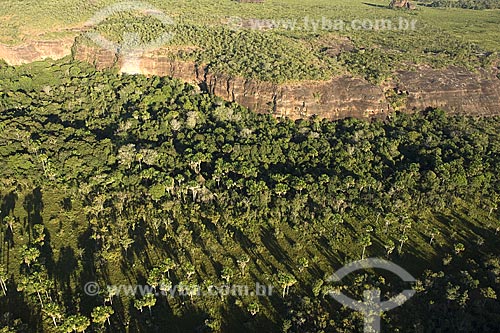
(455, 90)
(402, 4)
(36, 51)
(100, 58)
(340, 97)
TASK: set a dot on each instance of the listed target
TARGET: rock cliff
(455, 90)
(36, 51)
(340, 97)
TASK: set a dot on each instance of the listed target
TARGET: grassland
(33, 19)
(293, 50)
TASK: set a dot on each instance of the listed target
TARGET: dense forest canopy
(176, 195)
(124, 179)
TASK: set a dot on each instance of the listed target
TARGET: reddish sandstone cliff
(455, 90)
(338, 98)
(36, 51)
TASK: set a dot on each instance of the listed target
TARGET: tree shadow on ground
(33, 204)
(376, 5)
(8, 204)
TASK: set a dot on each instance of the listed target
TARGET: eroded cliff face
(36, 51)
(455, 90)
(340, 97)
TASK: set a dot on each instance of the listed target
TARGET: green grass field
(297, 49)
(32, 19)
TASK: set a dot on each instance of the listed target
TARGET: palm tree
(189, 267)
(389, 248)
(299, 184)
(402, 240)
(389, 219)
(38, 234)
(407, 225)
(365, 242)
(337, 220)
(167, 265)
(286, 281)
(154, 277)
(227, 274)
(194, 187)
(149, 300)
(109, 294)
(80, 252)
(169, 184)
(494, 204)
(303, 264)
(242, 263)
(3, 278)
(253, 308)
(192, 289)
(75, 323)
(196, 161)
(54, 311)
(459, 247)
(101, 314)
(165, 286)
(82, 323)
(281, 189)
(139, 304)
(434, 233)
(30, 255)
(9, 220)
(68, 325)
